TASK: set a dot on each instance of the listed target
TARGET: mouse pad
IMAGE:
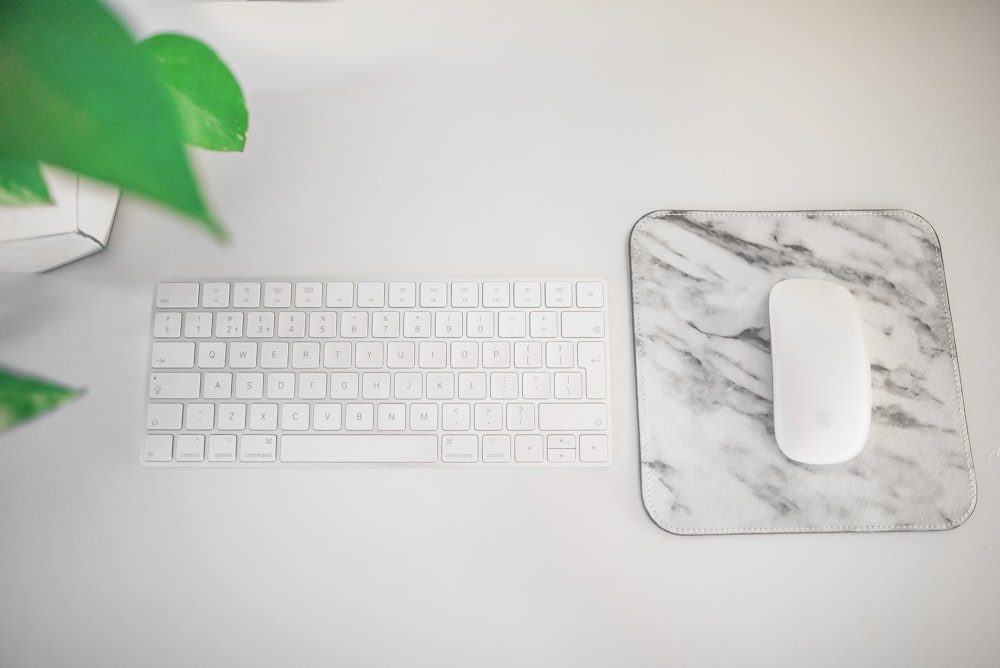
(710, 464)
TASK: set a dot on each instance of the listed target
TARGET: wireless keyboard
(473, 373)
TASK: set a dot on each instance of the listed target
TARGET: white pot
(40, 237)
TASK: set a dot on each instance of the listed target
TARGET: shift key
(572, 417)
(174, 385)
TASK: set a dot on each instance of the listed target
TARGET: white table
(511, 138)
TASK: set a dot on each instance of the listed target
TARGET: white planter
(44, 236)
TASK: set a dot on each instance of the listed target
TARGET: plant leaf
(208, 98)
(22, 398)
(21, 182)
(79, 93)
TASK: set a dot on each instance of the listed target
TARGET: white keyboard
(471, 373)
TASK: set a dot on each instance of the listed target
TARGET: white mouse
(822, 373)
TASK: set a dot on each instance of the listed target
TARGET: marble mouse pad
(710, 464)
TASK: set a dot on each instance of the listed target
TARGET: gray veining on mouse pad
(710, 463)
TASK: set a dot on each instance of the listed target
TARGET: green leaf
(22, 398)
(21, 182)
(207, 95)
(79, 93)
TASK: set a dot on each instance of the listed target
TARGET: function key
(527, 295)
(340, 294)
(177, 295)
(589, 294)
(308, 295)
(433, 295)
(246, 295)
(277, 295)
(465, 295)
(558, 295)
(371, 294)
(402, 295)
(496, 294)
(215, 295)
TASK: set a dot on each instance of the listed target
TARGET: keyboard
(277, 373)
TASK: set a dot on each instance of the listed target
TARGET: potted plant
(81, 94)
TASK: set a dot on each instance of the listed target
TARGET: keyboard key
(359, 417)
(543, 324)
(277, 295)
(167, 325)
(371, 294)
(512, 325)
(179, 355)
(295, 417)
(572, 417)
(423, 417)
(243, 355)
(291, 324)
(197, 325)
(258, 448)
(222, 448)
(215, 295)
(218, 386)
(263, 417)
(496, 449)
(591, 356)
(402, 295)
(308, 295)
(460, 449)
(246, 295)
(392, 417)
(496, 294)
(326, 417)
(558, 295)
(583, 324)
(528, 448)
(340, 295)
(480, 325)
(177, 295)
(280, 385)
(322, 324)
(249, 385)
(354, 325)
(158, 448)
(433, 295)
(465, 295)
(336, 355)
(589, 294)
(561, 455)
(527, 295)
(200, 417)
(520, 417)
(274, 355)
(331, 448)
(305, 355)
(190, 448)
(164, 416)
(174, 386)
(232, 417)
(229, 325)
(416, 324)
(260, 325)
(593, 448)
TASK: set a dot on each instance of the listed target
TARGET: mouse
(821, 371)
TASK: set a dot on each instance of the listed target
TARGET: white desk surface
(504, 138)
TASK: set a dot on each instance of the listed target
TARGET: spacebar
(323, 448)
